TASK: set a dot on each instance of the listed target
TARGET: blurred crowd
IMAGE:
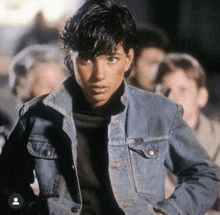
(37, 68)
(37, 49)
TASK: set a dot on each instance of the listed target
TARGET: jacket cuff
(168, 207)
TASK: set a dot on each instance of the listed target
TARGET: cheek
(120, 72)
(82, 75)
(56, 79)
(189, 106)
(143, 70)
(38, 91)
(115, 76)
(115, 72)
(144, 74)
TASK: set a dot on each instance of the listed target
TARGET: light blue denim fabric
(145, 139)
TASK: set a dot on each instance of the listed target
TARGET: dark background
(193, 26)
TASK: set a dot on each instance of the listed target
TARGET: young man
(181, 78)
(152, 44)
(99, 146)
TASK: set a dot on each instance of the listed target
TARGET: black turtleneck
(92, 156)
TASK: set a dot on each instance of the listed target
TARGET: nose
(98, 69)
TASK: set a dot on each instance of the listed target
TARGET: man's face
(44, 78)
(182, 90)
(101, 76)
(143, 66)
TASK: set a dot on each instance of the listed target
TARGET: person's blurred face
(142, 68)
(44, 78)
(182, 90)
(102, 75)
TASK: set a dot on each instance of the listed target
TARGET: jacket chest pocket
(147, 162)
(47, 164)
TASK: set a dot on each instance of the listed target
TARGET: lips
(99, 89)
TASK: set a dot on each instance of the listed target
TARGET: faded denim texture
(145, 138)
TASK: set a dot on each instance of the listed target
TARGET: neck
(193, 121)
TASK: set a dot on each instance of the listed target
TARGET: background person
(36, 70)
(181, 78)
(152, 43)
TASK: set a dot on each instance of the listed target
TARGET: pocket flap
(42, 150)
(151, 149)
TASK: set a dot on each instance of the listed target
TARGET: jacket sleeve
(198, 175)
(16, 167)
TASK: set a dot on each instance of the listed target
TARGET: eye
(112, 59)
(162, 90)
(166, 92)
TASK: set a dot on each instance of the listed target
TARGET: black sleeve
(16, 170)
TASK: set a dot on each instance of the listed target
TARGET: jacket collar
(62, 98)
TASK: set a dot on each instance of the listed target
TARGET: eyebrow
(113, 53)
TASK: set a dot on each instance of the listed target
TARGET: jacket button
(75, 209)
(139, 140)
(151, 152)
(47, 153)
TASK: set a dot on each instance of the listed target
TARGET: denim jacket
(145, 138)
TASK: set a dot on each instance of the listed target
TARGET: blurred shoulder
(151, 100)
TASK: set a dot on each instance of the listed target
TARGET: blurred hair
(32, 56)
(150, 36)
(97, 28)
(174, 61)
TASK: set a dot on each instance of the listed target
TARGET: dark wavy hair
(97, 28)
(150, 36)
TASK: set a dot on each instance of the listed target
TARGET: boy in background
(181, 78)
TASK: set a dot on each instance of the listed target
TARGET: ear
(129, 58)
(203, 96)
